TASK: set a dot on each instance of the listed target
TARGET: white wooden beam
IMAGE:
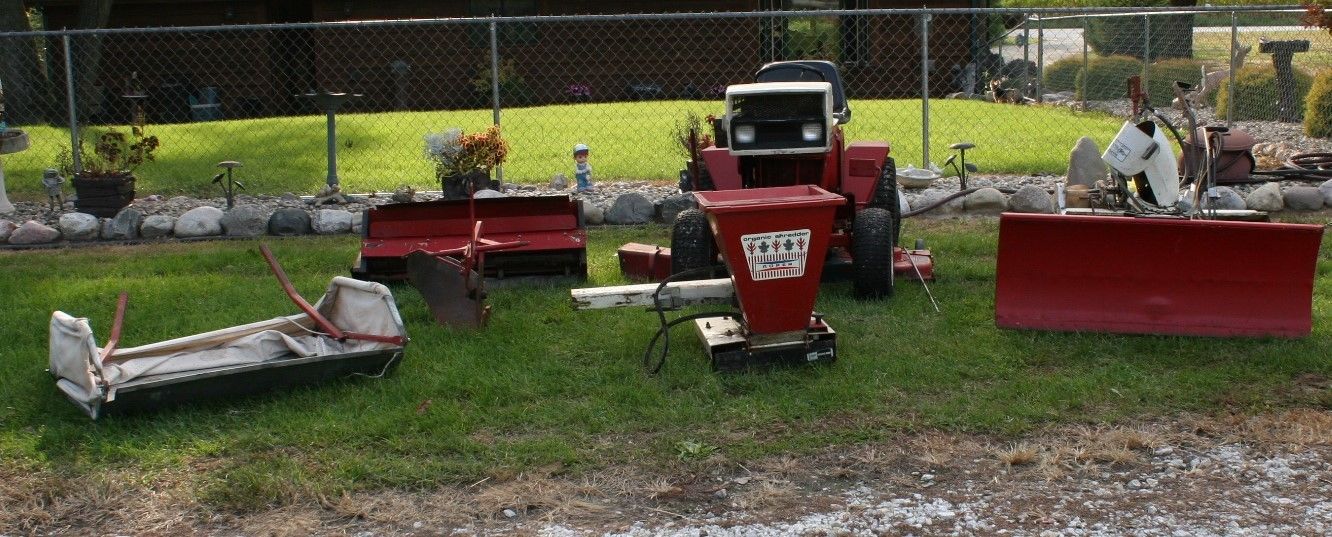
(676, 294)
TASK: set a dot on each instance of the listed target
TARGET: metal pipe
(332, 137)
(494, 85)
(1146, 47)
(925, 90)
(1040, 57)
(1230, 102)
(73, 110)
(1026, 53)
(1086, 67)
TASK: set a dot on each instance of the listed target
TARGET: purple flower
(578, 90)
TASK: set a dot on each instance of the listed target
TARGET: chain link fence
(624, 84)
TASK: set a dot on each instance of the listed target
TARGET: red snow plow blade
(1155, 276)
(551, 227)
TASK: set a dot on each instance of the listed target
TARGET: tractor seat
(809, 71)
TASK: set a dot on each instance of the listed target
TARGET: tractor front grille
(777, 106)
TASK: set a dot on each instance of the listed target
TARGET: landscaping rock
(1326, 189)
(245, 221)
(33, 232)
(593, 214)
(403, 194)
(1031, 199)
(6, 229)
(125, 226)
(199, 222)
(1085, 166)
(79, 226)
(1227, 198)
(932, 195)
(673, 205)
(630, 208)
(331, 221)
(988, 201)
(902, 204)
(290, 198)
(487, 193)
(1266, 198)
(157, 226)
(289, 221)
(559, 181)
(358, 222)
(1303, 198)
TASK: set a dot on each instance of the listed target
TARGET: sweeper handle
(116, 325)
(319, 319)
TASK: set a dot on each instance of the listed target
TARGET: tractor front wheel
(872, 254)
(691, 243)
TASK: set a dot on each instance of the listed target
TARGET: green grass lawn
(629, 141)
(545, 385)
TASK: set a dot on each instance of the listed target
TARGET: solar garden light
(229, 187)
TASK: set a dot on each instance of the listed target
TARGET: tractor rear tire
(691, 244)
(872, 254)
(885, 195)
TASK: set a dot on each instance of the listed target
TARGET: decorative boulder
(1227, 199)
(125, 226)
(487, 193)
(6, 229)
(673, 205)
(1303, 198)
(1031, 199)
(157, 226)
(985, 201)
(1326, 189)
(1266, 198)
(593, 214)
(931, 196)
(331, 221)
(1085, 166)
(559, 182)
(289, 221)
(245, 221)
(33, 232)
(631, 208)
(358, 222)
(79, 226)
(199, 222)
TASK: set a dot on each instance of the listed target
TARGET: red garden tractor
(785, 129)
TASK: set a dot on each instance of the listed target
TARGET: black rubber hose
(664, 332)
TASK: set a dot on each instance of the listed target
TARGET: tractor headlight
(810, 132)
(744, 134)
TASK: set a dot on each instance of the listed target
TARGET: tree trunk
(28, 96)
(87, 52)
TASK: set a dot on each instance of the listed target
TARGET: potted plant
(463, 161)
(693, 140)
(104, 184)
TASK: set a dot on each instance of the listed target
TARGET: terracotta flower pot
(103, 196)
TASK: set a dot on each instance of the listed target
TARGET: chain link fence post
(1040, 57)
(1146, 49)
(74, 151)
(1230, 87)
(925, 90)
(1086, 62)
(494, 85)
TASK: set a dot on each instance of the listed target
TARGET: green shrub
(1163, 74)
(1318, 107)
(1171, 35)
(1256, 93)
(1105, 77)
(1062, 75)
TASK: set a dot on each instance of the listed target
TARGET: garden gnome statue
(582, 170)
(51, 181)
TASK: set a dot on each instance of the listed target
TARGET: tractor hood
(780, 118)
